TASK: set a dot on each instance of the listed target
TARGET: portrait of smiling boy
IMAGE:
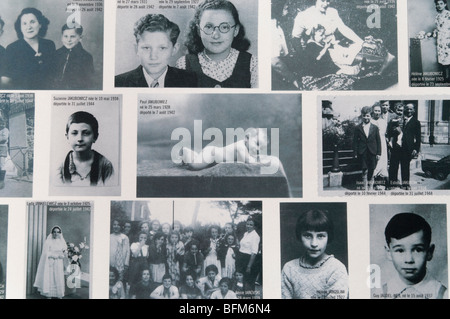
(156, 44)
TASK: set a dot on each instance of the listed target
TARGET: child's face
(194, 249)
(165, 228)
(155, 226)
(315, 243)
(230, 240)
(112, 278)
(154, 51)
(177, 227)
(80, 137)
(174, 238)
(366, 118)
(145, 275)
(142, 238)
(116, 227)
(217, 43)
(214, 232)
(167, 283)
(189, 281)
(188, 234)
(70, 38)
(385, 107)
(228, 228)
(239, 277)
(409, 256)
(211, 275)
(144, 227)
(399, 110)
(224, 288)
(127, 228)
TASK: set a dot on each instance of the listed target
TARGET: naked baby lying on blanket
(251, 149)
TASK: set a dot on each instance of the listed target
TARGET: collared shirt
(161, 78)
(428, 288)
(366, 128)
(249, 244)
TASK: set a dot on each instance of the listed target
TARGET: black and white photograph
(51, 45)
(314, 251)
(85, 145)
(384, 145)
(3, 249)
(186, 250)
(408, 251)
(58, 254)
(323, 45)
(429, 43)
(192, 43)
(17, 116)
(211, 145)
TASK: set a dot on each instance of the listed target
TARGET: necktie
(154, 84)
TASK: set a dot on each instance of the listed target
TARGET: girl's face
(80, 137)
(174, 238)
(143, 238)
(224, 288)
(217, 43)
(315, 243)
(211, 275)
(322, 5)
(116, 227)
(376, 112)
(159, 240)
(145, 275)
(112, 278)
(30, 26)
(167, 283)
(440, 6)
(155, 226)
(214, 232)
(188, 234)
(145, 227)
(177, 227)
(189, 281)
(56, 233)
(228, 228)
(239, 277)
(230, 240)
(165, 229)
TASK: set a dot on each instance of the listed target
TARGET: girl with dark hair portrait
(218, 48)
(316, 274)
(84, 166)
(28, 62)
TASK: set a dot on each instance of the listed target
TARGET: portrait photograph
(186, 250)
(314, 251)
(384, 145)
(51, 45)
(206, 44)
(59, 257)
(85, 145)
(3, 249)
(211, 145)
(408, 251)
(429, 43)
(334, 45)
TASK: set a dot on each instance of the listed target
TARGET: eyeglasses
(224, 27)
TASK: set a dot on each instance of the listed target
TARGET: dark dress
(74, 69)
(313, 67)
(142, 290)
(27, 69)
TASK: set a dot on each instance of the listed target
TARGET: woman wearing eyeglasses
(218, 48)
(50, 272)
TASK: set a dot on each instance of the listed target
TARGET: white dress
(443, 37)
(382, 165)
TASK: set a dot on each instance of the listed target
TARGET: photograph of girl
(314, 251)
(46, 48)
(58, 251)
(214, 252)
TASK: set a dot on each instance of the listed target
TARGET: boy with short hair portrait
(409, 247)
(156, 43)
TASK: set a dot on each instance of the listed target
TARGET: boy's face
(70, 38)
(194, 249)
(211, 275)
(80, 137)
(224, 288)
(167, 283)
(154, 50)
(188, 234)
(409, 256)
(315, 243)
(366, 118)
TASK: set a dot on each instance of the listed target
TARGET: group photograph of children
(186, 250)
(52, 46)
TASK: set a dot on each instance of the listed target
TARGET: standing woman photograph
(218, 48)
(442, 32)
(29, 60)
(50, 272)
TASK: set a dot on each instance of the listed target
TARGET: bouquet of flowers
(74, 252)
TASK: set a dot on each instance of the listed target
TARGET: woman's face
(217, 43)
(142, 238)
(30, 26)
(250, 226)
(56, 233)
(116, 227)
(165, 228)
(80, 137)
(155, 225)
(315, 243)
(322, 5)
(440, 5)
(376, 112)
(214, 232)
(145, 227)
(230, 240)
